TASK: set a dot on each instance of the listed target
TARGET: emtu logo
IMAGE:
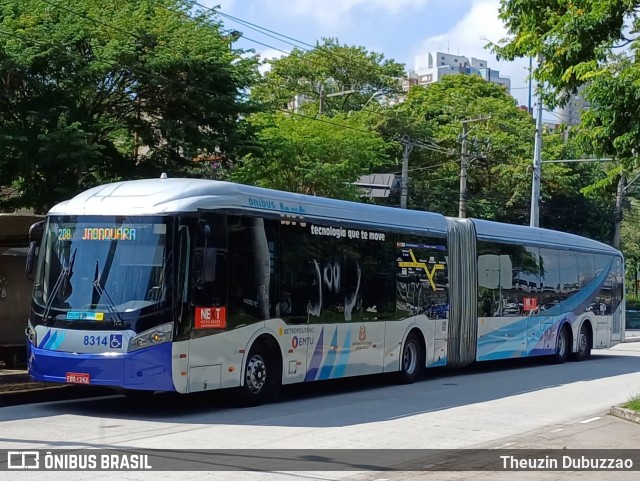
(23, 460)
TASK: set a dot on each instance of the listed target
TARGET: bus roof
(166, 196)
(535, 236)
(172, 195)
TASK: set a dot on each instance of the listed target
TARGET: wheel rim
(584, 340)
(562, 343)
(410, 358)
(256, 376)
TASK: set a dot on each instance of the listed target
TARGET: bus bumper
(147, 369)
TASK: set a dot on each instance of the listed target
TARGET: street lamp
(375, 94)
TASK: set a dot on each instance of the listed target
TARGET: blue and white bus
(190, 285)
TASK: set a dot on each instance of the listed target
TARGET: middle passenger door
(356, 276)
(337, 276)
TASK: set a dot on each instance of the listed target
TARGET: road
(488, 405)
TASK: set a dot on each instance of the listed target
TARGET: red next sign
(211, 317)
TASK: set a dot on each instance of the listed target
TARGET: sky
(399, 29)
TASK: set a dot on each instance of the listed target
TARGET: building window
(442, 58)
(455, 59)
(481, 64)
(441, 63)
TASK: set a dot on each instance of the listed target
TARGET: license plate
(78, 377)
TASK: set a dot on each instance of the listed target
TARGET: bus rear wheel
(584, 344)
(261, 379)
(563, 346)
(411, 360)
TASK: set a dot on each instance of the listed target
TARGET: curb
(624, 413)
(632, 339)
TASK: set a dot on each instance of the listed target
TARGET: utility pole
(623, 185)
(530, 79)
(618, 210)
(462, 202)
(408, 147)
(337, 94)
(464, 162)
(534, 220)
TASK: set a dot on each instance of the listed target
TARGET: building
(571, 113)
(431, 67)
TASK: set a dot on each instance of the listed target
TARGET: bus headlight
(152, 337)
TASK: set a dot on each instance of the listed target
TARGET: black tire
(411, 360)
(584, 346)
(262, 381)
(563, 346)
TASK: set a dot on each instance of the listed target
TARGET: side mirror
(35, 236)
(32, 255)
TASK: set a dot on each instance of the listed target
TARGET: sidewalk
(632, 335)
(604, 432)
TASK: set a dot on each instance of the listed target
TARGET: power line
(429, 145)
(261, 29)
(177, 82)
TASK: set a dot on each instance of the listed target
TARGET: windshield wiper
(64, 272)
(103, 292)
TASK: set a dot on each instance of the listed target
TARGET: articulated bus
(189, 285)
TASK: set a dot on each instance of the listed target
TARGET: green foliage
(572, 38)
(612, 122)
(633, 403)
(632, 305)
(575, 43)
(329, 69)
(309, 156)
(303, 151)
(499, 148)
(92, 92)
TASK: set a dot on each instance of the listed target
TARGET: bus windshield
(96, 268)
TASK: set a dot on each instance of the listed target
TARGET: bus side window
(210, 261)
(252, 273)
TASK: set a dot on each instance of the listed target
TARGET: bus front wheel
(261, 381)
(410, 360)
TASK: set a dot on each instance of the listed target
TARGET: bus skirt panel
(146, 369)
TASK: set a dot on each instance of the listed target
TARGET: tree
(311, 156)
(327, 141)
(93, 92)
(575, 43)
(499, 148)
(330, 68)
(571, 202)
